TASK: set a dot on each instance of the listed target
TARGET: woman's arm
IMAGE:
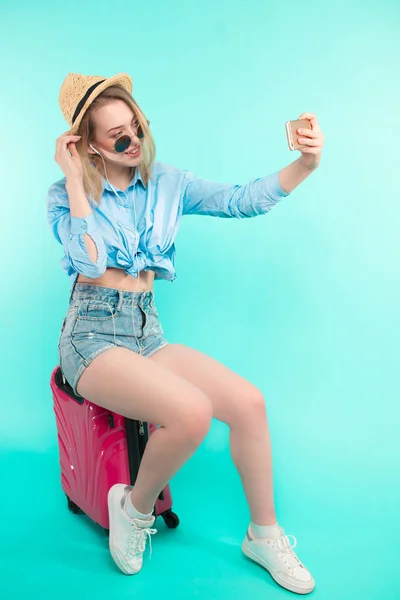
(227, 200)
(201, 196)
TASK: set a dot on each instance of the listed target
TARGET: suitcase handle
(63, 384)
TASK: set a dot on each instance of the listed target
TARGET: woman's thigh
(131, 385)
(232, 396)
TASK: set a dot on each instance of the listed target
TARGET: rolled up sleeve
(70, 232)
(227, 200)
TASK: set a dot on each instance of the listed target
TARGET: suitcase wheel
(171, 519)
(74, 508)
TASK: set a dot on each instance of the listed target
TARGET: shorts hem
(91, 357)
(156, 349)
(86, 363)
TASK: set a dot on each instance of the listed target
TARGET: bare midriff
(119, 279)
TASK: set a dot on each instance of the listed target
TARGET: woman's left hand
(313, 140)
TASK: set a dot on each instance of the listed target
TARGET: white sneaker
(127, 536)
(278, 557)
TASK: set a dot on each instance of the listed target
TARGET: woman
(117, 212)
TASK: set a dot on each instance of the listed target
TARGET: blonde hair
(92, 176)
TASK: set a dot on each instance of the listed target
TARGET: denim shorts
(99, 318)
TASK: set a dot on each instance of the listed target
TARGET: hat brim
(121, 79)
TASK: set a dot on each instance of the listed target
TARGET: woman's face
(111, 121)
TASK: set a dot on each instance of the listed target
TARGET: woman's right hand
(71, 165)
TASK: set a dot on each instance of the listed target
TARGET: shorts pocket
(95, 319)
(96, 310)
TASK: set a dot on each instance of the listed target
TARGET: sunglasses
(123, 142)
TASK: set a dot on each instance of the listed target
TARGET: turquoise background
(304, 301)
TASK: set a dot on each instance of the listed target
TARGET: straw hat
(78, 92)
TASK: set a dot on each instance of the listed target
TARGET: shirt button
(84, 225)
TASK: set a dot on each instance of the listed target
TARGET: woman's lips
(135, 153)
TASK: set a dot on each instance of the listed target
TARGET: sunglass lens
(140, 133)
(122, 143)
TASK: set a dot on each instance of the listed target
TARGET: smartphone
(291, 132)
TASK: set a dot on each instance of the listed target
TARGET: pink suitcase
(99, 448)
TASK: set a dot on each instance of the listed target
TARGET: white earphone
(134, 212)
(94, 149)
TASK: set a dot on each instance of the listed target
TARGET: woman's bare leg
(241, 405)
(138, 388)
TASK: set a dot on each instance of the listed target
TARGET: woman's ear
(92, 150)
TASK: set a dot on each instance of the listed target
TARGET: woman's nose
(133, 134)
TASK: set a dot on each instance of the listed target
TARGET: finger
(69, 138)
(313, 119)
(73, 150)
(308, 142)
(65, 136)
(63, 142)
(308, 133)
(309, 150)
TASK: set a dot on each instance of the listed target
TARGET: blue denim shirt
(149, 244)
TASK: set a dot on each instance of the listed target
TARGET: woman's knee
(250, 409)
(194, 421)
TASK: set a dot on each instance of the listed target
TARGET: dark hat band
(83, 100)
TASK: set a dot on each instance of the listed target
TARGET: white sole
(111, 539)
(278, 580)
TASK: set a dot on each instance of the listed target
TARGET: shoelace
(138, 538)
(286, 549)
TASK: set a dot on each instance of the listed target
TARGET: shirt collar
(137, 176)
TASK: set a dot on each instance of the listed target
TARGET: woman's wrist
(74, 183)
(292, 175)
(310, 163)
